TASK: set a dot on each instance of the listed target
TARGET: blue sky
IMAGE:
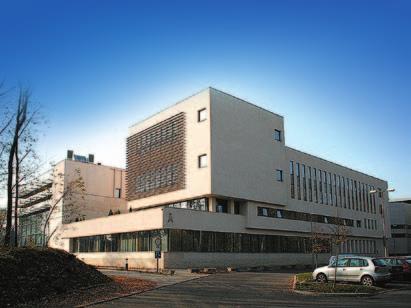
(338, 71)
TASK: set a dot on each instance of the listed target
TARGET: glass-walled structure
(176, 240)
(31, 228)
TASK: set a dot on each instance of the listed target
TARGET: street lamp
(381, 195)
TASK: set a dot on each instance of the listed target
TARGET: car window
(341, 262)
(358, 263)
(364, 262)
(379, 262)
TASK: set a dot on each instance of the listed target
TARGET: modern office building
(76, 189)
(400, 221)
(212, 179)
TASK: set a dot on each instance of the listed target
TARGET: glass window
(292, 188)
(202, 161)
(202, 115)
(237, 205)
(222, 206)
(341, 262)
(279, 175)
(277, 135)
(279, 214)
(117, 193)
(358, 262)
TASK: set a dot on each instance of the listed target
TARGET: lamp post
(381, 195)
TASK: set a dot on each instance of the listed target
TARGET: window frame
(278, 135)
(199, 161)
(199, 113)
(279, 175)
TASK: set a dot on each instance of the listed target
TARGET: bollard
(126, 264)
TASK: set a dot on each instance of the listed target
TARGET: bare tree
(16, 155)
(320, 243)
(2, 221)
(67, 201)
(338, 235)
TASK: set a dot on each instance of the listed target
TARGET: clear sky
(338, 71)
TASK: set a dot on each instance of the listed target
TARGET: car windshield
(379, 262)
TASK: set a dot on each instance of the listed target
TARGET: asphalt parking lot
(252, 289)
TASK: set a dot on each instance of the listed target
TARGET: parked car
(368, 271)
(406, 267)
(395, 266)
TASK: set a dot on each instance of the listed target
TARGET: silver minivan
(368, 271)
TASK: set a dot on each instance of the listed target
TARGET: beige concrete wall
(245, 155)
(199, 220)
(136, 260)
(149, 219)
(100, 184)
(197, 143)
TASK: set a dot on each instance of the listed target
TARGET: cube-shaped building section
(211, 182)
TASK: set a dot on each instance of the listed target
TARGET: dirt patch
(51, 277)
(118, 286)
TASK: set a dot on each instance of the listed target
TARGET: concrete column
(211, 204)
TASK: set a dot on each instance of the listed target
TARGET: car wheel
(367, 281)
(321, 278)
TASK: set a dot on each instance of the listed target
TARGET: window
(237, 205)
(202, 161)
(279, 214)
(277, 135)
(222, 206)
(117, 193)
(279, 175)
(341, 262)
(202, 115)
(297, 173)
(358, 263)
(358, 223)
(292, 179)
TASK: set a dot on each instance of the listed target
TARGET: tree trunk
(7, 237)
(16, 198)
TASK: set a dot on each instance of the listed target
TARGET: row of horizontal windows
(195, 204)
(120, 242)
(176, 240)
(285, 214)
(400, 226)
(400, 235)
(319, 186)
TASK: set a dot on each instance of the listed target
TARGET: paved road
(159, 279)
(250, 289)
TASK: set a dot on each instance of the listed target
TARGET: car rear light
(405, 266)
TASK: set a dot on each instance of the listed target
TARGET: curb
(135, 293)
(312, 293)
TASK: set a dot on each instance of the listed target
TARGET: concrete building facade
(76, 189)
(400, 221)
(212, 180)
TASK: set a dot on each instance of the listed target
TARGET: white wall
(245, 155)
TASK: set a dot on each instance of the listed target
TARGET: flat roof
(196, 93)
